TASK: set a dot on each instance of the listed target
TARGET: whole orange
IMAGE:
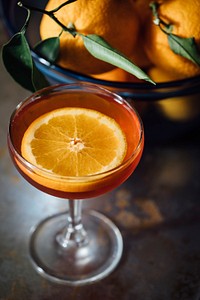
(183, 15)
(159, 74)
(117, 74)
(113, 20)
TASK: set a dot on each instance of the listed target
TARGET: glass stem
(73, 234)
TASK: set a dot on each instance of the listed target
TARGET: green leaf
(49, 49)
(18, 62)
(100, 49)
(38, 79)
(185, 47)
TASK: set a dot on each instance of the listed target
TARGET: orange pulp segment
(74, 142)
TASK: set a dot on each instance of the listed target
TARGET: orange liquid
(76, 188)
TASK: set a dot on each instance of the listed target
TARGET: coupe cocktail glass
(72, 248)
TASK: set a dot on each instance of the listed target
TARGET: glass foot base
(76, 264)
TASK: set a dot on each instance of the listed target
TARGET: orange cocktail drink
(76, 187)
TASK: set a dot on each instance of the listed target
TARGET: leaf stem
(63, 4)
(165, 27)
(27, 6)
(50, 13)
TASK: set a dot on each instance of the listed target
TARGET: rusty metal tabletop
(157, 211)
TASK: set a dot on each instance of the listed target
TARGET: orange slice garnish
(74, 142)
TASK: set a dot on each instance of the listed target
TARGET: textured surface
(157, 210)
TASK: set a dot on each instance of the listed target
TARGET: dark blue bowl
(151, 101)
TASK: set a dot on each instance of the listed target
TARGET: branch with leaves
(19, 63)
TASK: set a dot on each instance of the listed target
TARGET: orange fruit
(183, 15)
(139, 55)
(159, 75)
(74, 142)
(113, 20)
(117, 74)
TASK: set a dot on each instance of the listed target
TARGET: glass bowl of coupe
(169, 109)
